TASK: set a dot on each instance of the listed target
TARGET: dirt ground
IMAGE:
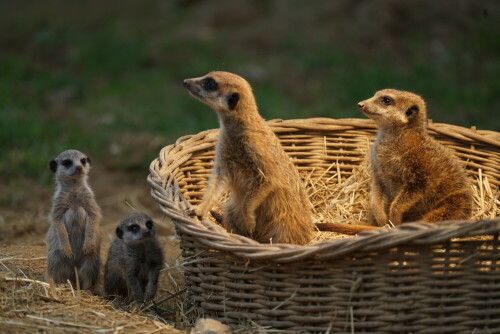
(28, 304)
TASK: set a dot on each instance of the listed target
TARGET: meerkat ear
(119, 233)
(232, 100)
(412, 111)
(53, 165)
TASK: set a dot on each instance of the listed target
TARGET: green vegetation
(106, 78)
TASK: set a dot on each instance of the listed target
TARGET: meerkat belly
(75, 220)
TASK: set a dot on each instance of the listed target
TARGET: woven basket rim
(166, 191)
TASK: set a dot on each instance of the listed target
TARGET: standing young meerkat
(134, 259)
(413, 176)
(73, 238)
(268, 201)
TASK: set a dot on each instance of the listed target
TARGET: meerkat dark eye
(67, 163)
(134, 228)
(83, 161)
(386, 100)
(149, 224)
(209, 84)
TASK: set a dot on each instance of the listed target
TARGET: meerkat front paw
(196, 211)
(149, 295)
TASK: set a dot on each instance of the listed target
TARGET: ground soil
(27, 307)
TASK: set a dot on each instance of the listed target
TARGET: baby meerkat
(268, 201)
(73, 238)
(413, 176)
(134, 259)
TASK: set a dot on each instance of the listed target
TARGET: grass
(86, 78)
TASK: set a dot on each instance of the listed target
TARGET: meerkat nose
(361, 106)
(185, 83)
(146, 233)
(79, 168)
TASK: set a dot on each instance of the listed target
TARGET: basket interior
(328, 154)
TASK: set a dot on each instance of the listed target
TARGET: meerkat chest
(76, 212)
(141, 260)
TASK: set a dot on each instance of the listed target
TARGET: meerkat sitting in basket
(73, 238)
(268, 200)
(413, 176)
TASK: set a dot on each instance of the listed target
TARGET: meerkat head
(395, 108)
(136, 228)
(70, 165)
(223, 91)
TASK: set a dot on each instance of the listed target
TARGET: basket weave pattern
(418, 278)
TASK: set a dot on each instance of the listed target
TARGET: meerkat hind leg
(88, 271)
(251, 202)
(401, 204)
(451, 207)
(60, 268)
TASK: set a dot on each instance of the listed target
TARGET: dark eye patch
(83, 161)
(209, 84)
(386, 100)
(67, 163)
(133, 228)
(149, 224)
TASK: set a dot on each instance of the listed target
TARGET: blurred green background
(106, 77)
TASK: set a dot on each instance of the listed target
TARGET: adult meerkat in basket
(268, 201)
(134, 259)
(73, 238)
(413, 176)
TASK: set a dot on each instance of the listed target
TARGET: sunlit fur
(73, 238)
(268, 200)
(413, 176)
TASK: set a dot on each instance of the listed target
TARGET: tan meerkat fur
(268, 201)
(414, 178)
(73, 238)
(134, 259)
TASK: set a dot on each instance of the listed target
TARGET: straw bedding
(419, 278)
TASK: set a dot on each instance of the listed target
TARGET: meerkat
(73, 238)
(134, 259)
(414, 178)
(268, 201)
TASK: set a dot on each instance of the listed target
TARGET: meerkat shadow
(60, 269)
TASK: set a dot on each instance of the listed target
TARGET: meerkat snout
(361, 106)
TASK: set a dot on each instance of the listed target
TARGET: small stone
(210, 326)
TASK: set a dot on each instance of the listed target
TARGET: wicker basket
(419, 278)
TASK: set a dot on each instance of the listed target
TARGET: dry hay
(28, 304)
